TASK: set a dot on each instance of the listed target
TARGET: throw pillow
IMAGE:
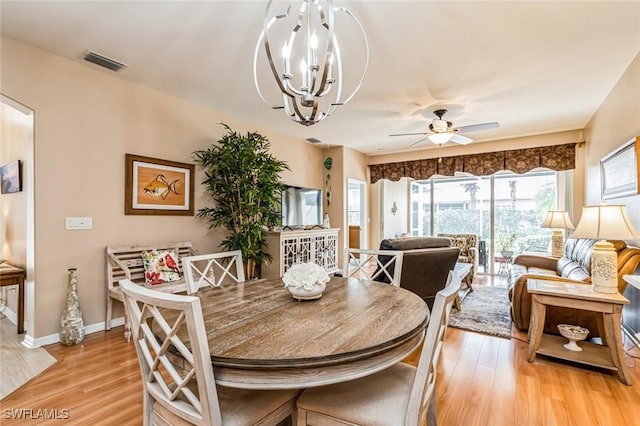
(160, 266)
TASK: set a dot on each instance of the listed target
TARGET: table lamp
(559, 221)
(605, 222)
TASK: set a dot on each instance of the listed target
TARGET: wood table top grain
(261, 337)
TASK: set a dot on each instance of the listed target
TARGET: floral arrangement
(305, 275)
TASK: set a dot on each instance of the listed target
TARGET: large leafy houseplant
(243, 179)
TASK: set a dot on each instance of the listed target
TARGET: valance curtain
(556, 157)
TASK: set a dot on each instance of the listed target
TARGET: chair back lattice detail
(212, 269)
(424, 384)
(189, 391)
(373, 264)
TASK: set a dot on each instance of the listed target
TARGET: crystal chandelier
(308, 65)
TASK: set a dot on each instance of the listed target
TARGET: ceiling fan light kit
(440, 138)
(305, 58)
(442, 131)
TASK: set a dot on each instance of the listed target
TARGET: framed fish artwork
(158, 187)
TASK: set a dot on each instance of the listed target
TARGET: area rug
(484, 310)
(18, 364)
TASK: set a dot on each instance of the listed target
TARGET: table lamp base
(604, 268)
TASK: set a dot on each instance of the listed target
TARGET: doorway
(356, 214)
(17, 210)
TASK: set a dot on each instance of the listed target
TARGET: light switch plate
(77, 223)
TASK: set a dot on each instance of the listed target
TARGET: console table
(9, 276)
(578, 296)
(287, 248)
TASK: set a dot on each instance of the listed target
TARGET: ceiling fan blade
(461, 139)
(409, 134)
(418, 142)
(478, 127)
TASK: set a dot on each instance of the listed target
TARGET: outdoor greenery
(515, 229)
(243, 179)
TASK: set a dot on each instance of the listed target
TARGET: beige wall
(85, 121)
(616, 122)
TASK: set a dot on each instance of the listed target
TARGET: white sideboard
(300, 246)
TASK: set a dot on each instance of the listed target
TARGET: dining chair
(212, 269)
(166, 326)
(373, 264)
(399, 395)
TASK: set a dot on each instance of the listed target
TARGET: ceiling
(534, 67)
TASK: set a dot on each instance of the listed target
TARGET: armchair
(426, 262)
(468, 245)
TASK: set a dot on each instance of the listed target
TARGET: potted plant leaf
(243, 179)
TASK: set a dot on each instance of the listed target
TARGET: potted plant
(243, 179)
(506, 244)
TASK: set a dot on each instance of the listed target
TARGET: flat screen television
(301, 207)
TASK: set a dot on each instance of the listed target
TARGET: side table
(504, 264)
(11, 275)
(578, 296)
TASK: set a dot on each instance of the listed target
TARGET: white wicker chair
(162, 324)
(212, 269)
(399, 395)
(373, 264)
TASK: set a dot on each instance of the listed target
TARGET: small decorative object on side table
(306, 281)
(578, 296)
(575, 334)
(71, 323)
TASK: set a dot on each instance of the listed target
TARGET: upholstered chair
(468, 245)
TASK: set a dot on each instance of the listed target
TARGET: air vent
(313, 140)
(103, 61)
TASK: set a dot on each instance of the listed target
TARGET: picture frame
(158, 187)
(11, 177)
(620, 171)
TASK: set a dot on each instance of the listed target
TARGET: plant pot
(506, 253)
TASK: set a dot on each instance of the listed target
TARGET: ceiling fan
(441, 131)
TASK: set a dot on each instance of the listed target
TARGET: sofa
(426, 262)
(468, 245)
(574, 266)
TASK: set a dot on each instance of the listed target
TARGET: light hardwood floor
(482, 380)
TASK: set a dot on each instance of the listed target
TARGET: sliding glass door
(504, 210)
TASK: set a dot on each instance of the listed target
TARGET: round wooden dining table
(260, 337)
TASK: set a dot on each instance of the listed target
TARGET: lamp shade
(557, 219)
(605, 222)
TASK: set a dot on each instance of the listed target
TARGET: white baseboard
(11, 316)
(31, 343)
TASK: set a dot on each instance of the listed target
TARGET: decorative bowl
(302, 293)
(575, 334)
